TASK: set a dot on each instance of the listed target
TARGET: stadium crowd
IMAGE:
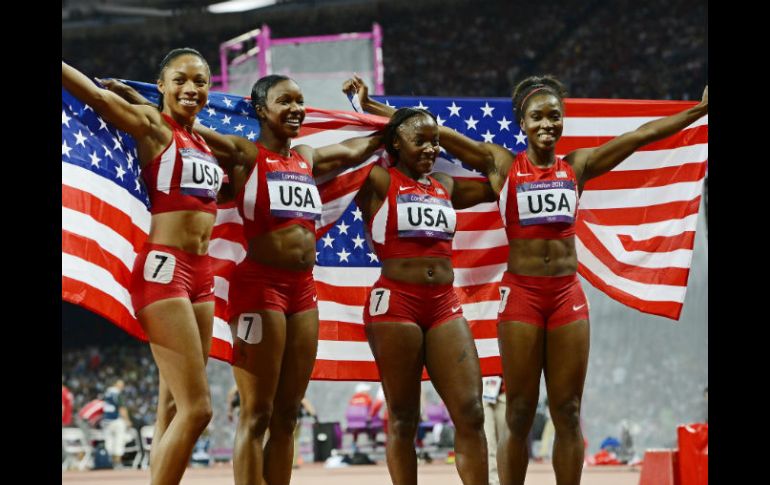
(455, 48)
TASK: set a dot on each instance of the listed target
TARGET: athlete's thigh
(453, 364)
(298, 357)
(522, 353)
(204, 316)
(175, 342)
(399, 352)
(566, 361)
(258, 345)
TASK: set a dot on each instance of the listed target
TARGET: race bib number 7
(159, 267)
(379, 301)
(250, 328)
(504, 292)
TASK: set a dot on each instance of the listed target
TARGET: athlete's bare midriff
(542, 257)
(189, 231)
(421, 271)
(291, 248)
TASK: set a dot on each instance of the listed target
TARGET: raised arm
(356, 85)
(229, 150)
(124, 91)
(345, 154)
(592, 162)
(136, 120)
(466, 193)
(488, 158)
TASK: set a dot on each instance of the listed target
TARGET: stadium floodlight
(238, 5)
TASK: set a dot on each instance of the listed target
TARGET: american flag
(635, 229)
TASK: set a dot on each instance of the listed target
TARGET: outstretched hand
(356, 85)
(114, 85)
(123, 90)
(705, 100)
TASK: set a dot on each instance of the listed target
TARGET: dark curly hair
(547, 84)
(173, 54)
(398, 118)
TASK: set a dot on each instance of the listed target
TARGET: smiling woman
(186, 82)
(171, 282)
(413, 316)
(272, 302)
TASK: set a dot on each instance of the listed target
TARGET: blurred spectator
(66, 406)
(361, 396)
(115, 422)
(305, 409)
(546, 438)
(200, 455)
(94, 359)
(379, 405)
(494, 421)
(538, 426)
(233, 403)
(626, 452)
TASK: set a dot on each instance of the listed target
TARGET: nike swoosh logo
(270, 160)
(315, 297)
(402, 187)
(519, 174)
(576, 308)
(454, 309)
(212, 288)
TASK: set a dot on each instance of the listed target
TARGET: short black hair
(260, 89)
